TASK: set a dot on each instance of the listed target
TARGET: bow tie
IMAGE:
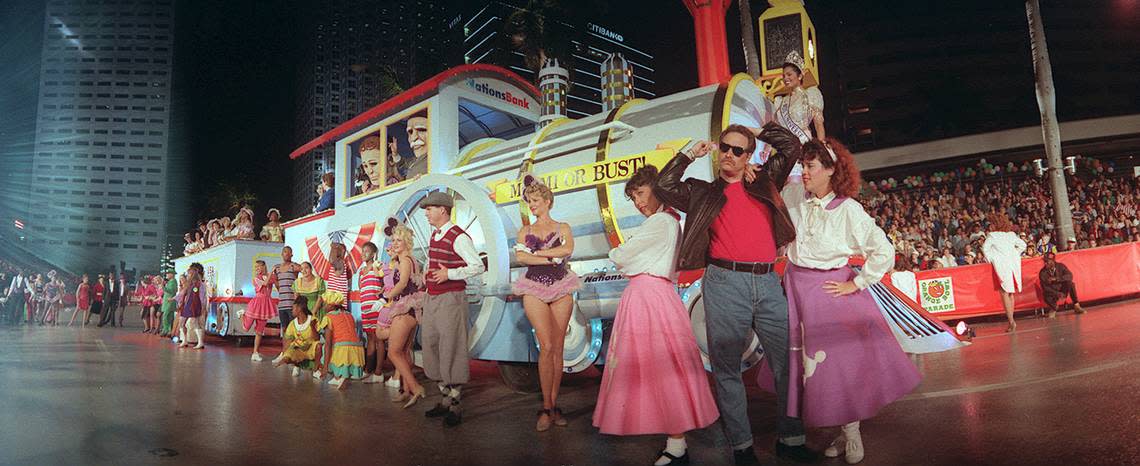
(815, 202)
(434, 233)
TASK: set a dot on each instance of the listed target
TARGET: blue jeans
(736, 302)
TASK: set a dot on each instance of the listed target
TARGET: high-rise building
(360, 53)
(98, 192)
(590, 43)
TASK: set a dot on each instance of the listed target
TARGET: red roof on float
(416, 93)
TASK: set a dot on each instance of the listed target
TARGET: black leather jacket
(702, 200)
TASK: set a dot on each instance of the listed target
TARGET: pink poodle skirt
(844, 364)
(654, 381)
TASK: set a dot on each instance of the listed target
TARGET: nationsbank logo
(601, 31)
(484, 88)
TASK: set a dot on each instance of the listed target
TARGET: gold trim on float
(528, 163)
(722, 112)
(605, 205)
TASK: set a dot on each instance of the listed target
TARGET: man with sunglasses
(734, 227)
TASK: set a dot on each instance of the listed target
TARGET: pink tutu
(547, 293)
(406, 305)
(654, 381)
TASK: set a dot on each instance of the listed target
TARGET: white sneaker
(278, 358)
(317, 375)
(374, 379)
(393, 381)
(174, 340)
(336, 381)
(854, 448)
(255, 357)
(296, 371)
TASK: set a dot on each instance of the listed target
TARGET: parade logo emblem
(484, 88)
(601, 277)
(937, 294)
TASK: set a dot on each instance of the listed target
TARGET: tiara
(795, 59)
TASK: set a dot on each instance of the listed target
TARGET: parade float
(473, 131)
(229, 279)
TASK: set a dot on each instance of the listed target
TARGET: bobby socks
(673, 446)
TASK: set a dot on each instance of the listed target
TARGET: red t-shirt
(742, 232)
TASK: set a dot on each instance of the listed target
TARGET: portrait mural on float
(389, 154)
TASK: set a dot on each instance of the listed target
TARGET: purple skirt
(844, 363)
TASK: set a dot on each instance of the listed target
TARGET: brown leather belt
(758, 268)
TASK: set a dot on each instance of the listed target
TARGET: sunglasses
(736, 150)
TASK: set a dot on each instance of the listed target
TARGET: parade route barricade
(972, 290)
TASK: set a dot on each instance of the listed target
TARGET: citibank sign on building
(520, 101)
(601, 31)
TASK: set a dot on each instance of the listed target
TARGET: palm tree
(1047, 102)
(535, 32)
(748, 38)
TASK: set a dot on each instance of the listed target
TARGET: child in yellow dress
(302, 342)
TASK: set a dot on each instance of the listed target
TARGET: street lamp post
(1047, 102)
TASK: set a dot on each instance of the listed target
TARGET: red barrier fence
(1098, 273)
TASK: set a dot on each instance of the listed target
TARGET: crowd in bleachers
(940, 219)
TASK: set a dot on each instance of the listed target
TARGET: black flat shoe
(743, 457)
(673, 460)
(798, 453)
(437, 411)
(452, 419)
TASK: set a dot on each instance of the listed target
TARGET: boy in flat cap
(452, 259)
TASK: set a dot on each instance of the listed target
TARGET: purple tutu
(406, 305)
(844, 363)
(568, 284)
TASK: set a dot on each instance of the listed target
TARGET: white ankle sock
(673, 446)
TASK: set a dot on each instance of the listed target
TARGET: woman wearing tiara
(845, 363)
(547, 290)
(799, 105)
(654, 382)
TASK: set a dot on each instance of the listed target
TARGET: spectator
(1056, 284)
(326, 191)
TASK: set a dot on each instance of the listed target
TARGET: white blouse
(825, 239)
(651, 248)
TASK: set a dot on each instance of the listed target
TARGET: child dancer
(193, 299)
(302, 344)
(654, 382)
(345, 352)
(845, 363)
(260, 309)
(371, 281)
